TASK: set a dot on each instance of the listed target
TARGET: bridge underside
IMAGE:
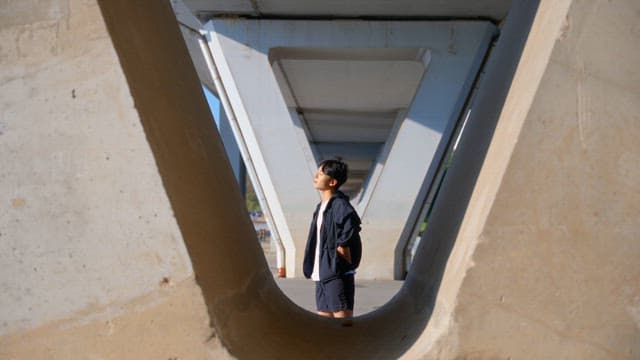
(109, 231)
(384, 96)
(487, 9)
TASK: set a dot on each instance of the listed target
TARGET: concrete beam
(190, 27)
(416, 147)
(494, 9)
(451, 55)
(549, 244)
(90, 250)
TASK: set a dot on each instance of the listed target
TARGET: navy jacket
(340, 226)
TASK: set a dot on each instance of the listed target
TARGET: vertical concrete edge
(536, 54)
(259, 171)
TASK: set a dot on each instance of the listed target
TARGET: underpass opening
(382, 102)
(245, 306)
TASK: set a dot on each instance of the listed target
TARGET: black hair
(335, 169)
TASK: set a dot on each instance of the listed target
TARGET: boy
(333, 248)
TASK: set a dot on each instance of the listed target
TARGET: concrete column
(93, 262)
(415, 150)
(556, 207)
(450, 57)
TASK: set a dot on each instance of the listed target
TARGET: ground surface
(370, 294)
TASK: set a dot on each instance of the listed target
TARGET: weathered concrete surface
(93, 263)
(494, 9)
(556, 271)
(544, 262)
(165, 324)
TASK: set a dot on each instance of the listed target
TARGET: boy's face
(323, 182)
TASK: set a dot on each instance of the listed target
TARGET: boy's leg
(348, 295)
(341, 293)
(321, 301)
(335, 298)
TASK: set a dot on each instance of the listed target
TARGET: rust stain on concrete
(18, 203)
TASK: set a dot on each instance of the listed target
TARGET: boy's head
(335, 169)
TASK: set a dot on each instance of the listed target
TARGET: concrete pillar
(449, 57)
(93, 262)
(552, 232)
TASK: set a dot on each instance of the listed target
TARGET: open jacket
(340, 226)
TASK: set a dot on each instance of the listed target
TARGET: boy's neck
(325, 195)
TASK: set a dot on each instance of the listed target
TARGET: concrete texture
(165, 324)
(536, 251)
(89, 249)
(495, 9)
(556, 267)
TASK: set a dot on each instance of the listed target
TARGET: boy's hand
(345, 252)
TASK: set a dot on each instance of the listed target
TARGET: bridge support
(385, 96)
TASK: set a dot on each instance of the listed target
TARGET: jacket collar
(336, 195)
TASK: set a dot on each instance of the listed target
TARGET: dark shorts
(335, 294)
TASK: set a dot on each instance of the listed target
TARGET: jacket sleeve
(346, 227)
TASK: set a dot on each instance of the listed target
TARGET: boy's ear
(333, 183)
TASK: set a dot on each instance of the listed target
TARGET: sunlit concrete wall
(93, 263)
(555, 273)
